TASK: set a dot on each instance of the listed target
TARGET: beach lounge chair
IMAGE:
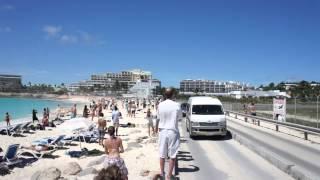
(89, 136)
(54, 142)
(38, 154)
(15, 130)
(10, 158)
(25, 127)
(4, 130)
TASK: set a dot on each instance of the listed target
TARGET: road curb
(282, 164)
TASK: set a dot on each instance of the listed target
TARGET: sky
(251, 41)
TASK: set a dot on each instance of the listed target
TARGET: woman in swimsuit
(113, 148)
(7, 118)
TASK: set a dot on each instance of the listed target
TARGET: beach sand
(140, 154)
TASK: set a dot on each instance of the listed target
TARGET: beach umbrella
(77, 125)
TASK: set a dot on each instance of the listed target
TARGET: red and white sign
(279, 109)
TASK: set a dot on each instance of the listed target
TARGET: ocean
(20, 109)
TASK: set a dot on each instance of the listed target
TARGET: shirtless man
(113, 147)
(102, 124)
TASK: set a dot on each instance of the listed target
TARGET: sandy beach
(140, 154)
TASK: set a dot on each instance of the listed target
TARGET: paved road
(216, 158)
(297, 152)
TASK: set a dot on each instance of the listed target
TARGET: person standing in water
(34, 116)
(7, 119)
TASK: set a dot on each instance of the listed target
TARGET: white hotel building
(211, 86)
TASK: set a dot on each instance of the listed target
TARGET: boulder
(51, 173)
(35, 176)
(88, 171)
(154, 175)
(91, 176)
(72, 168)
(69, 178)
(96, 162)
(144, 173)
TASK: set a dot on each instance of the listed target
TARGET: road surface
(296, 151)
(217, 158)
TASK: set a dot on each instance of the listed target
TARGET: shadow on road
(214, 138)
(187, 157)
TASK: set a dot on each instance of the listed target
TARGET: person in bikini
(113, 147)
(7, 119)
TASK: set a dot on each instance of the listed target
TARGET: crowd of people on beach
(161, 119)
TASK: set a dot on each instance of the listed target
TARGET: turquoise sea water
(22, 107)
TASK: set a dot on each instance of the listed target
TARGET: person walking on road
(169, 113)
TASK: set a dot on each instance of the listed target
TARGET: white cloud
(82, 37)
(7, 7)
(69, 39)
(86, 37)
(52, 31)
(5, 29)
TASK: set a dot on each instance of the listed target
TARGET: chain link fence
(299, 111)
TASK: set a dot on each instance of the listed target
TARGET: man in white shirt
(169, 113)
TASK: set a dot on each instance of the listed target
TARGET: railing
(305, 129)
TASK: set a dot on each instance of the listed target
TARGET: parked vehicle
(206, 117)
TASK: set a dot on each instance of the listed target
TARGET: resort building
(122, 81)
(210, 86)
(258, 94)
(146, 89)
(10, 82)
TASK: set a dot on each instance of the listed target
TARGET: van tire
(191, 135)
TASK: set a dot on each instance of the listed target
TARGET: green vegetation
(303, 90)
(44, 88)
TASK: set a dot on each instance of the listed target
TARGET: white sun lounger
(38, 154)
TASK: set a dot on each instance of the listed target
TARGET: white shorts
(169, 142)
(116, 124)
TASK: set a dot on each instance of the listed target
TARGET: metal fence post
(295, 109)
(305, 135)
(317, 111)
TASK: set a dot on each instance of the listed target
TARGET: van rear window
(207, 110)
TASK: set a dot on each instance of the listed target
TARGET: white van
(205, 116)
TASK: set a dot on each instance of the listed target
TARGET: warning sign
(279, 109)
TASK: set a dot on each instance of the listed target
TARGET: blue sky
(253, 41)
